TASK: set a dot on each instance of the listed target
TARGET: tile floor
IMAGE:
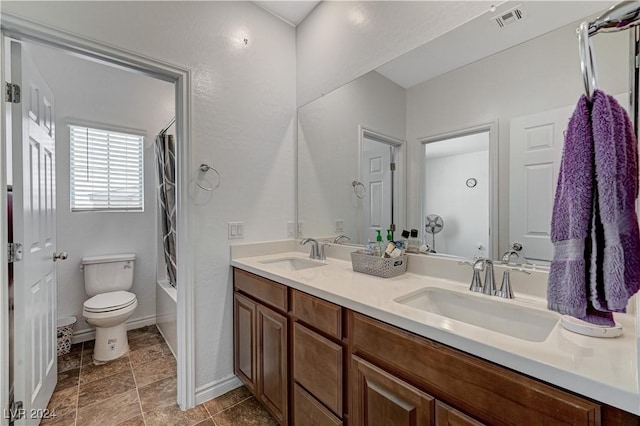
(139, 389)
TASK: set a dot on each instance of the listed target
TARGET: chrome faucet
(506, 256)
(339, 238)
(317, 249)
(489, 287)
(478, 266)
(505, 289)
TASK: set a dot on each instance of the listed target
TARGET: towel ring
(204, 168)
(587, 61)
(359, 189)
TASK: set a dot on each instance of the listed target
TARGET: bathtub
(166, 313)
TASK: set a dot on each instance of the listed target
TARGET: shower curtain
(166, 162)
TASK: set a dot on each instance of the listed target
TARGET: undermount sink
(292, 263)
(513, 320)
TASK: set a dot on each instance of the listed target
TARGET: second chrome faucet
(489, 286)
(317, 248)
(479, 265)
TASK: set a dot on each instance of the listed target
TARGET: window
(106, 170)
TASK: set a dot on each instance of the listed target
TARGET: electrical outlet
(339, 226)
(236, 230)
(291, 229)
(300, 229)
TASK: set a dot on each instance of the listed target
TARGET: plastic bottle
(414, 242)
(377, 250)
(405, 240)
(389, 235)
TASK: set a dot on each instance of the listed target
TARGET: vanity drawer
(490, 393)
(317, 366)
(262, 289)
(318, 313)
(309, 412)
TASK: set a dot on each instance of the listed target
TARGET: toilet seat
(108, 302)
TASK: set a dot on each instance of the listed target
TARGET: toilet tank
(103, 274)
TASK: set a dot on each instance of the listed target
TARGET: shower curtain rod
(164, 130)
(621, 16)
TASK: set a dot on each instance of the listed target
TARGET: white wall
(541, 74)
(95, 94)
(465, 210)
(328, 154)
(342, 40)
(243, 107)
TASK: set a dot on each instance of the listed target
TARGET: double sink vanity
(319, 344)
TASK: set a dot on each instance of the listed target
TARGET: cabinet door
(244, 340)
(272, 362)
(378, 398)
(448, 416)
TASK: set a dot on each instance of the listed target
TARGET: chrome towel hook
(203, 169)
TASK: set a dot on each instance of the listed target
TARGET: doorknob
(60, 256)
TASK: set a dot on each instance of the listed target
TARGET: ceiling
(292, 12)
(482, 37)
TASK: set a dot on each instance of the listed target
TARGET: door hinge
(392, 227)
(11, 93)
(393, 167)
(15, 412)
(14, 252)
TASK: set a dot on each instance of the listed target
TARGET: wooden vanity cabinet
(318, 355)
(314, 363)
(261, 341)
(486, 392)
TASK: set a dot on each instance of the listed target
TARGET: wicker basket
(65, 333)
(378, 266)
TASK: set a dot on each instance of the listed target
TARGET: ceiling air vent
(509, 17)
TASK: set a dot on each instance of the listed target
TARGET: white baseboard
(90, 334)
(217, 388)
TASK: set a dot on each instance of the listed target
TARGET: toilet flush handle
(60, 256)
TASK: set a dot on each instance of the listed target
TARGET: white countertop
(601, 369)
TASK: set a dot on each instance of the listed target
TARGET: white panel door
(33, 144)
(376, 170)
(536, 152)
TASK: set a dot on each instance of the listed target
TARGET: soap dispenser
(378, 246)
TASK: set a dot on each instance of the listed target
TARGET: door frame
(400, 184)
(26, 30)
(491, 127)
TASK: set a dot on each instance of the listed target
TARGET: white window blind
(106, 170)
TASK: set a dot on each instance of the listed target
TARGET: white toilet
(107, 280)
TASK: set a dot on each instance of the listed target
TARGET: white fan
(433, 225)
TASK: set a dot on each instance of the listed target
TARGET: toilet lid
(110, 301)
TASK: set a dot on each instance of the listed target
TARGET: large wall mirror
(460, 138)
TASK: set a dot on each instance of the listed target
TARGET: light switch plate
(236, 230)
(291, 229)
(300, 229)
(339, 226)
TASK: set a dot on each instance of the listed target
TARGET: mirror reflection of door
(456, 188)
(378, 174)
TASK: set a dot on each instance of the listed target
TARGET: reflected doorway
(456, 194)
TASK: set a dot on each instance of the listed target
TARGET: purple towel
(594, 229)
(571, 220)
(615, 275)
